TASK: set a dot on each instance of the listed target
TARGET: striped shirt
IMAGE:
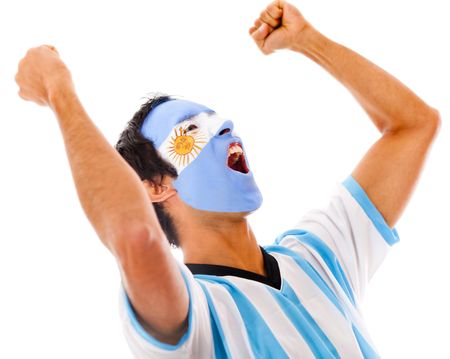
(323, 265)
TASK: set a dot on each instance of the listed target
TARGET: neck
(230, 242)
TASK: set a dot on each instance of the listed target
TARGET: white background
(302, 131)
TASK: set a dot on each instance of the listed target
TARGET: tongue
(236, 161)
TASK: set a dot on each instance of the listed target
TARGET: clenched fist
(279, 26)
(42, 74)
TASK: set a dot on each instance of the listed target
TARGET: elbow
(424, 119)
(430, 124)
(427, 125)
(434, 121)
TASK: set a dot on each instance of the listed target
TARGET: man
(297, 298)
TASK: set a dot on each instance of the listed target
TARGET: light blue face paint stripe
(209, 184)
(160, 121)
(206, 183)
(221, 349)
(365, 347)
(311, 272)
(390, 235)
(141, 331)
(262, 341)
(305, 324)
(327, 255)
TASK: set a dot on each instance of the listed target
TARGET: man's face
(213, 172)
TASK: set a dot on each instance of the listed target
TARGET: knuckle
(269, 19)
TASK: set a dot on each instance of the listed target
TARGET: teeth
(234, 149)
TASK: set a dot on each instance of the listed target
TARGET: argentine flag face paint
(213, 172)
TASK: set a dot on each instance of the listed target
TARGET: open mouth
(236, 158)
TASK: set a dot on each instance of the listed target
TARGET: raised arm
(113, 198)
(390, 169)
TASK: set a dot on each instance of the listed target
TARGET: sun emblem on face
(185, 145)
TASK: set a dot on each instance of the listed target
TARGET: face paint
(213, 172)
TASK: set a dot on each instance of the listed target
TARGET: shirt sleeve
(350, 238)
(195, 343)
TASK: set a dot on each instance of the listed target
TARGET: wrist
(308, 41)
(64, 103)
(59, 91)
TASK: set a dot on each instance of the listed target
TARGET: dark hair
(142, 156)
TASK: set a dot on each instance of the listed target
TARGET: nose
(226, 127)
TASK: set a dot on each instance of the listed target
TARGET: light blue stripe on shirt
(365, 347)
(311, 272)
(327, 255)
(389, 235)
(221, 350)
(307, 327)
(262, 341)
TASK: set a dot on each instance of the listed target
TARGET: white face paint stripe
(184, 142)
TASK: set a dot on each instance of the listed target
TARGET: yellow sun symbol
(184, 148)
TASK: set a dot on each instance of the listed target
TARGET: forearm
(113, 197)
(110, 192)
(389, 103)
(390, 169)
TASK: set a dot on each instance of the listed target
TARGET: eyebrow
(190, 117)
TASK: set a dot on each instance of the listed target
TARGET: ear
(158, 192)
